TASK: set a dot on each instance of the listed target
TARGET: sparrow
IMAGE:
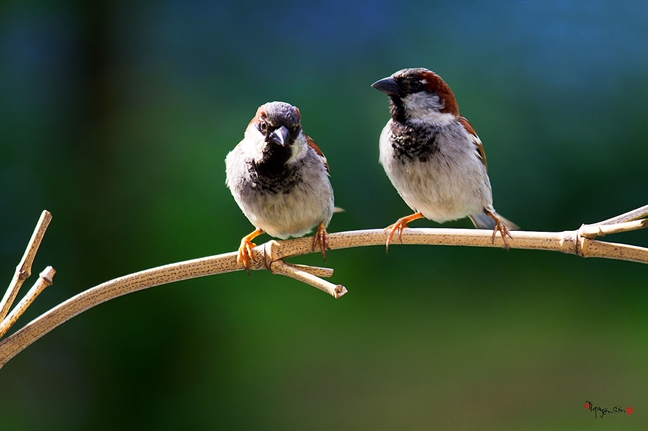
(433, 156)
(280, 179)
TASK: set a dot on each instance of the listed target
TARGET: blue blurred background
(117, 116)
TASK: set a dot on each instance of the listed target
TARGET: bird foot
(244, 256)
(400, 224)
(320, 240)
(501, 228)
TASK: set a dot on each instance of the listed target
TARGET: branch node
(568, 242)
(581, 241)
(47, 275)
(270, 253)
(43, 281)
(22, 274)
(591, 231)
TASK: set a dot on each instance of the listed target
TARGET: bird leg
(245, 250)
(400, 224)
(321, 239)
(499, 227)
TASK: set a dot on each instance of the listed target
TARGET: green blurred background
(117, 116)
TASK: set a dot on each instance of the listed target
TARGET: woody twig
(23, 270)
(271, 256)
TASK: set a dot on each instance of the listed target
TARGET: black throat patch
(414, 143)
(397, 109)
(272, 174)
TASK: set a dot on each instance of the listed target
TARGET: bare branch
(115, 288)
(270, 256)
(641, 212)
(23, 270)
(298, 273)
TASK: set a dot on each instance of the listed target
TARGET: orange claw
(400, 224)
(321, 239)
(501, 228)
(245, 250)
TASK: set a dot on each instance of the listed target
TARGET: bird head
(418, 95)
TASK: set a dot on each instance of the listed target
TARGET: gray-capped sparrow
(279, 178)
(433, 156)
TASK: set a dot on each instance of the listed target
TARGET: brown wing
(478, 143)
(319, 152)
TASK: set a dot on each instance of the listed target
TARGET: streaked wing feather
(478, 143)
(319, 152)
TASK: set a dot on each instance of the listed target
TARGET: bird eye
(263, 127)
(415, 84)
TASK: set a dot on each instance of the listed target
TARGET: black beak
(279, 136)
(387, 86)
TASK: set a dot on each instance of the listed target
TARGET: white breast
(452, 184)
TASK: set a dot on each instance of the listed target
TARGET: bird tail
(485, 221)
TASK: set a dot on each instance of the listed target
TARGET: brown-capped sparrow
(433, 156)
(279, 178)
